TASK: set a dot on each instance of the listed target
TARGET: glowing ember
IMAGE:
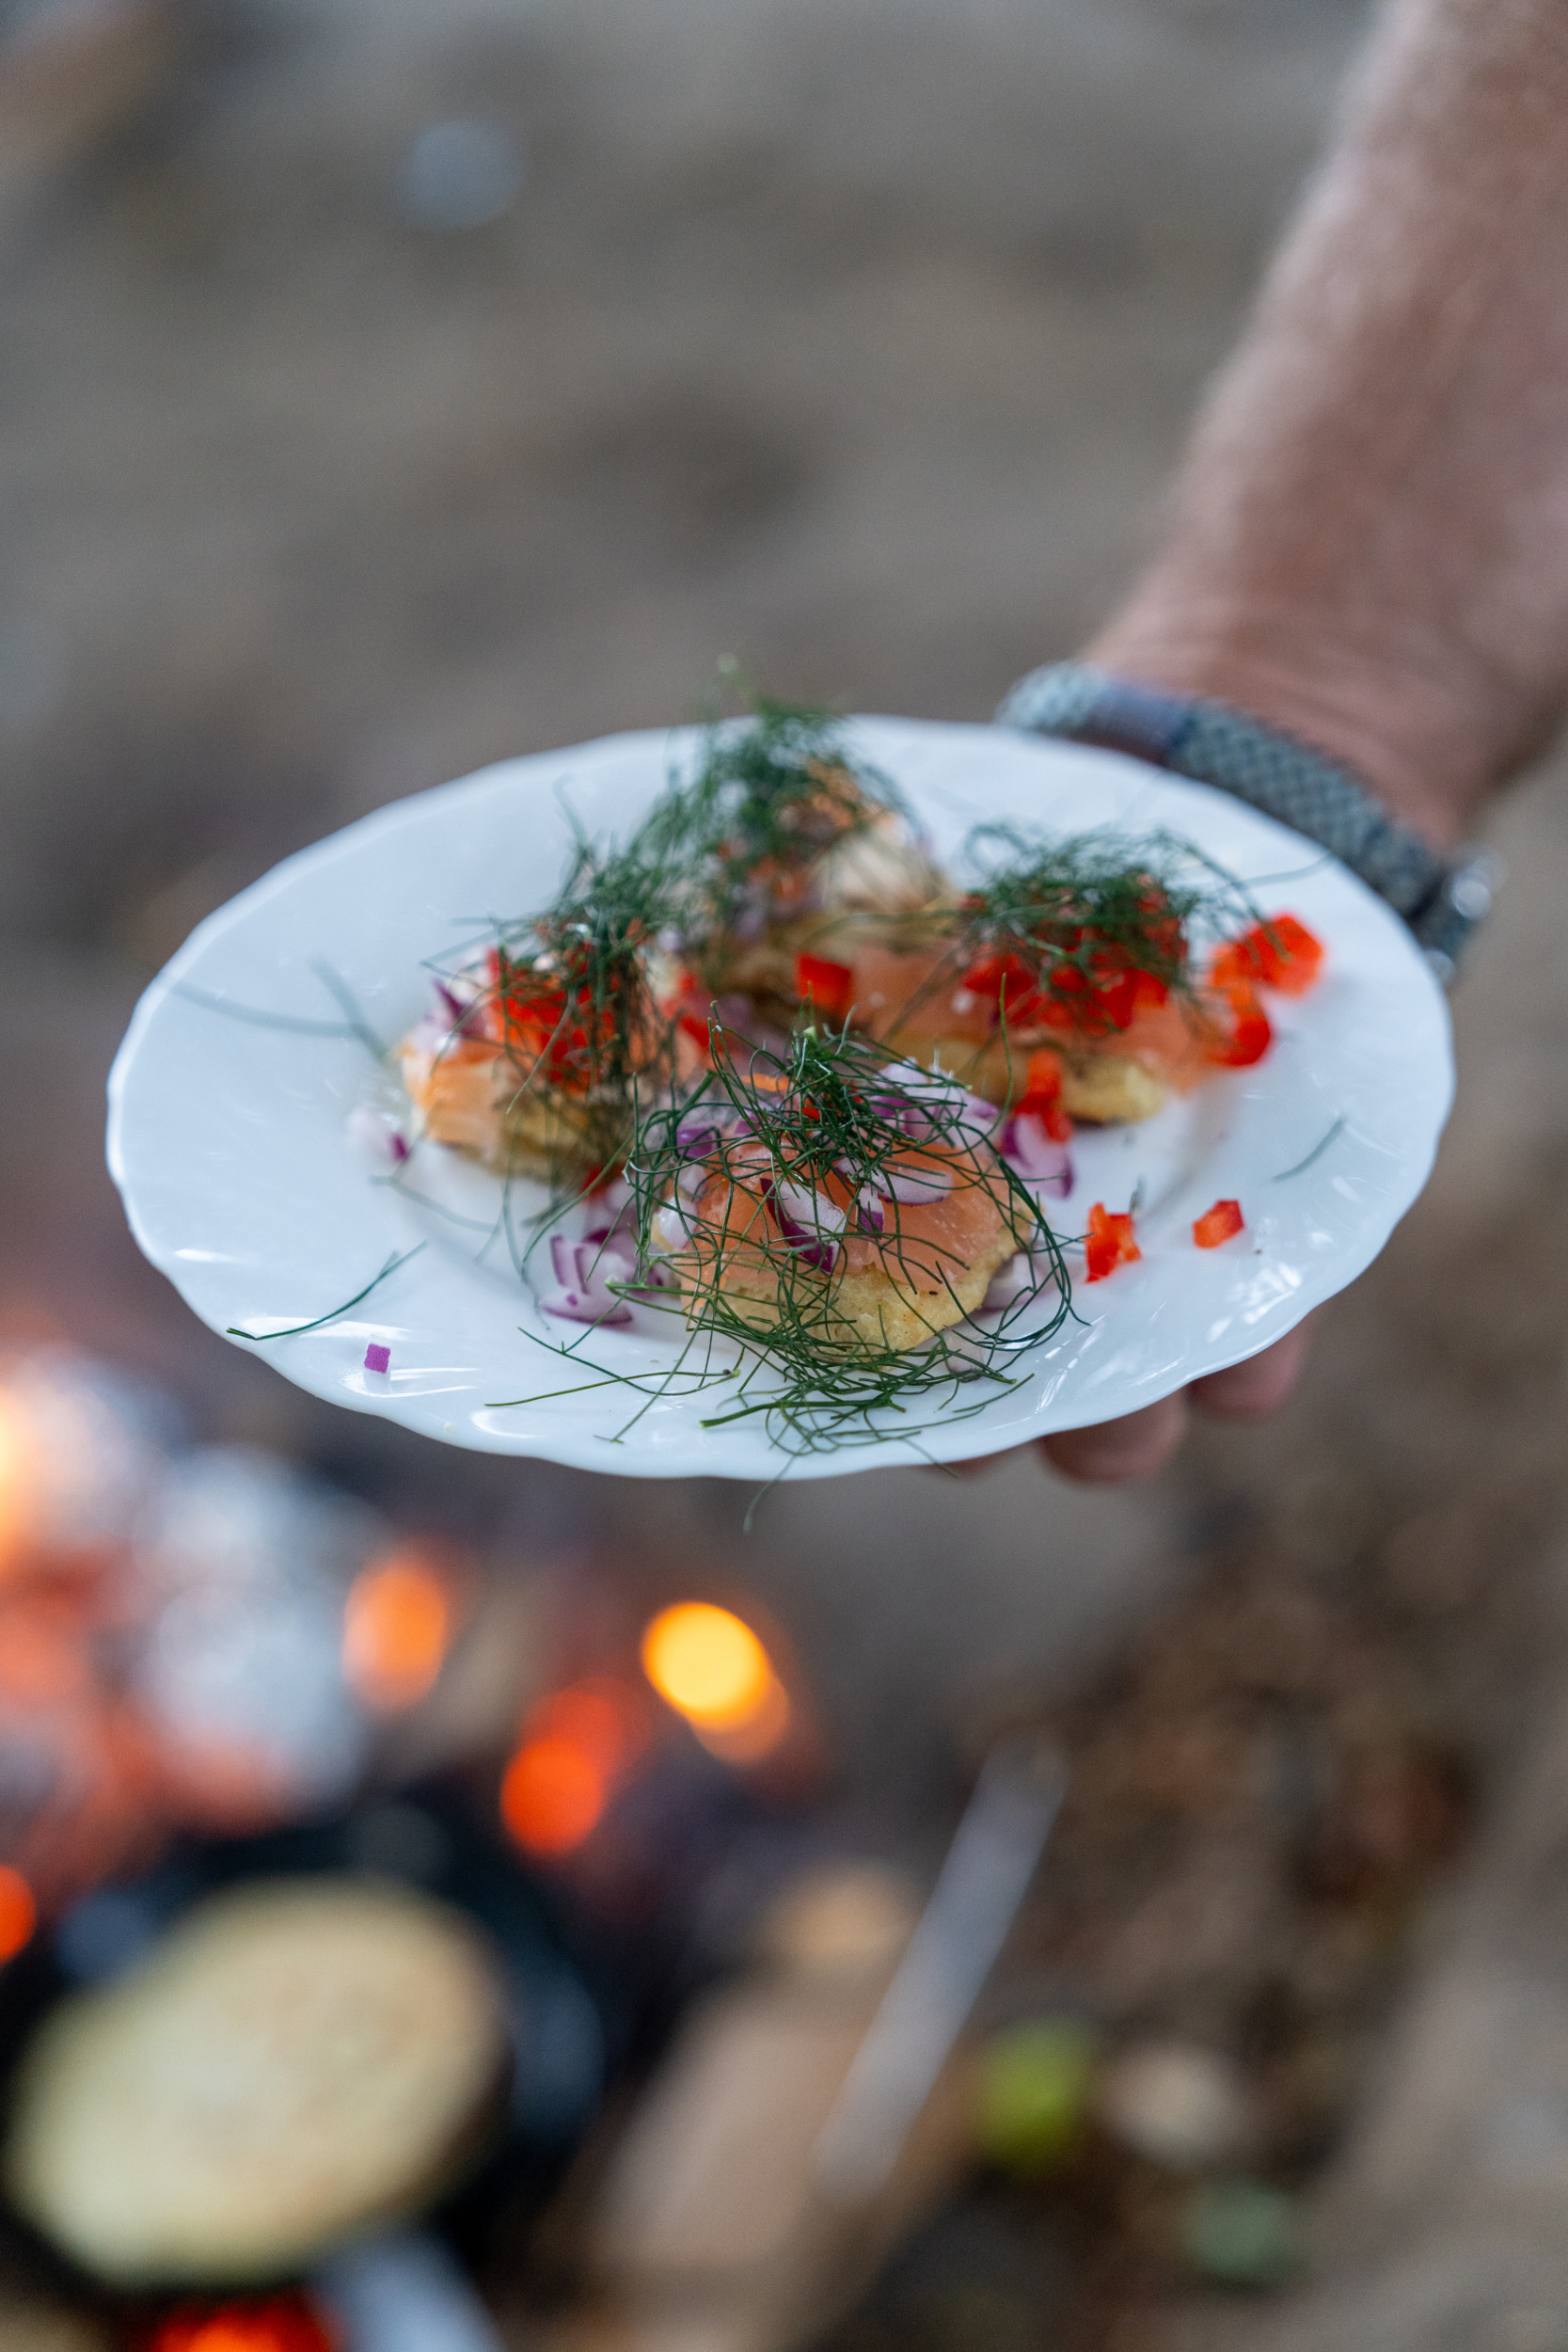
(397, 1623)
(14, 1503)
(19, 1913)
(710, 1667)
(575, 1746)
(553, 1794)
(603, 1717)
(284, 2322)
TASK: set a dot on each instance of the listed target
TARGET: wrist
(1399, 732)
(1215, 739)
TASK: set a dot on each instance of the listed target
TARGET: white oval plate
(230, 1143)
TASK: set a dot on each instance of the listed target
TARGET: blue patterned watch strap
(1273, 772)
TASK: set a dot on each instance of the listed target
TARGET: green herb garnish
(1073, 936)
(755, 1184)
(568, 998)
(772, 794)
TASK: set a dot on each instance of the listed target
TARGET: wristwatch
(1442, 900)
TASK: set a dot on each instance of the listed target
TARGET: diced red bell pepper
(992, 974)
(1092, 1002)
(698, 1031)
(1249, 1035)
(1117, 998)
(1007, 982)
(829, 986)
(1218, 1224)
(1042, 1078)
(1281, 953)
(1109, 1243)
(1042, 1095)
(531, 1012)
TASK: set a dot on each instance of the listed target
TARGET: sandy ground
(857, 340)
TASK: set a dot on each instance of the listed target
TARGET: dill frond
(773, 792)
(830, 1123)
(1072, 934)
(568, 997)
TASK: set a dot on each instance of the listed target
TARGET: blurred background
(388, 386)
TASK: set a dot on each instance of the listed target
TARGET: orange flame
(284, 2322)
(397, 1623)
(709, 1667)
(553, 1795)
(19, 1913)
(15, 1480)
(574, 1748)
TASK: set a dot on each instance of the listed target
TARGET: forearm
(1368, 542)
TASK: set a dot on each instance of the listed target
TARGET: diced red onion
(968, 1354)
(608, 1210)
(807, 1244)
(378, 1134)
(674, 1227)
(813, 1209)
(583, 1274)
(930, 1180)
(653, 1279)
(1015, 1279)
(1044, 1164)
(428, 1036)
(930, 1101)
(870, 1216)
(462, 1009)
(696, 1136)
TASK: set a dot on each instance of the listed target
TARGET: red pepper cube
(1101, 1257)
(1295, 955)
(995, 977)
(1281, 953)
(1007, 982)
(1249, 1035)
(1110, 1243)
(1218, 1224)
(1057, 1125)
(831, 987)
(699, 1033)
(1119, 1000)
(1042, 1079)
(1042, 1095)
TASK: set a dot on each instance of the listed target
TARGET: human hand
(1140, 1443)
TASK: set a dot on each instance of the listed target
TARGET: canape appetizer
(543, 1045)
(839, 1204)
(1078, 973)
(791, 848)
